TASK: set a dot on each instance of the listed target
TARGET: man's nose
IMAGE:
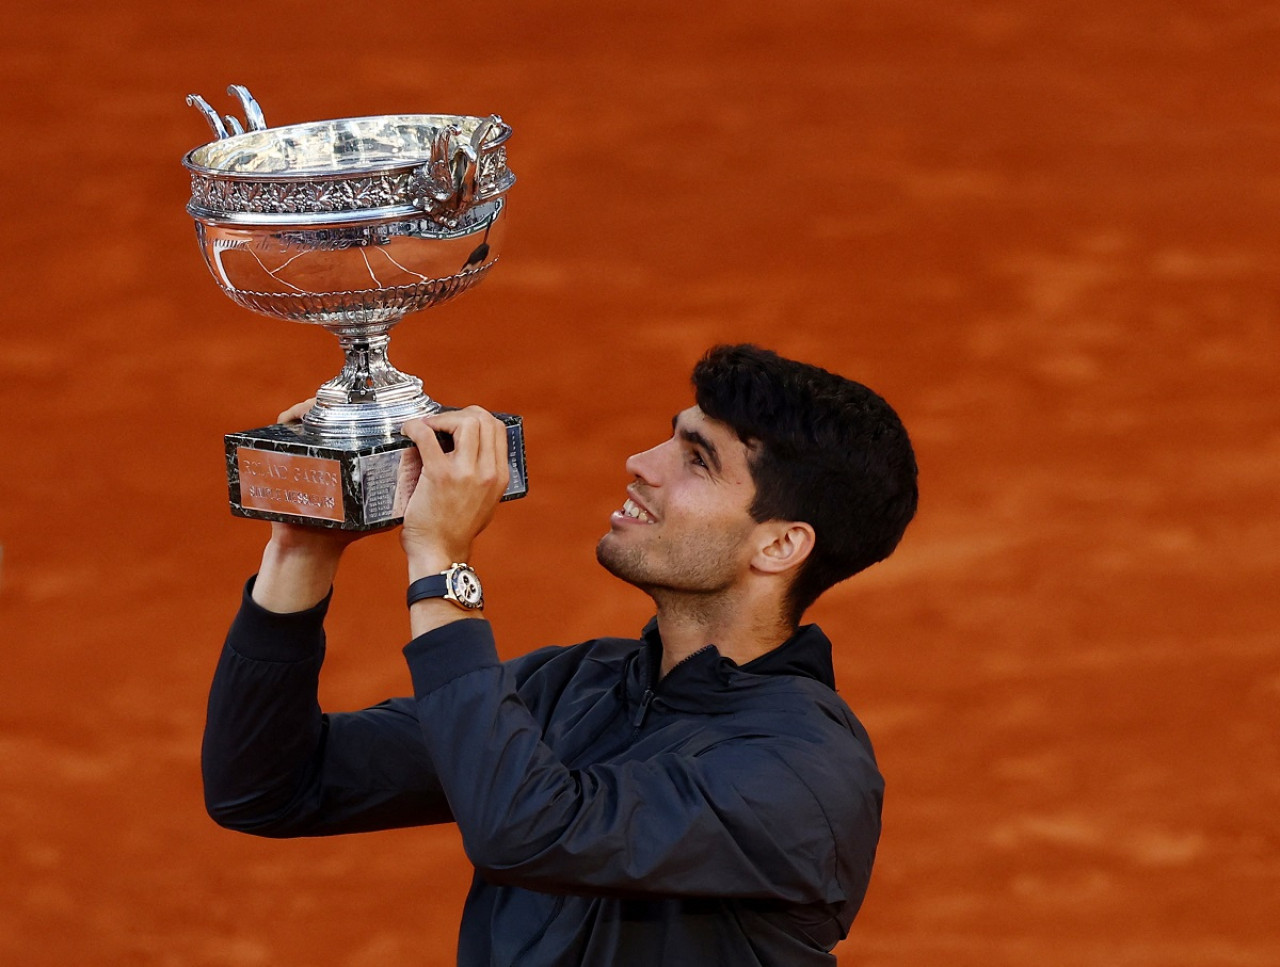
(643, 465)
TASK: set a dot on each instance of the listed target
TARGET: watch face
(465, 587)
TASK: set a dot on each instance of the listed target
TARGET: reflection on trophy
(349, 224)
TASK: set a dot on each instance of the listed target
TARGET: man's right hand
(299, 563)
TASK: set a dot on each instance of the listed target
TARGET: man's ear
(784, 545)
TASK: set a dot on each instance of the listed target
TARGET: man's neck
(739, 630)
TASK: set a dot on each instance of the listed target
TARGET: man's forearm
(452, 501)
(275, 766)
(263, 730)
(298, 568)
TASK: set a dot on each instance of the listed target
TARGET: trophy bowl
(349, 224)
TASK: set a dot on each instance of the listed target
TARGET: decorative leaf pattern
(235, 195)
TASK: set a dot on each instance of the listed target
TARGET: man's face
(685, 524)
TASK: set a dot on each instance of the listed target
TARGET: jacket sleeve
(740, 820)
(274, 765)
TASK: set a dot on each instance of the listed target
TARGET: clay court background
(1046, 231)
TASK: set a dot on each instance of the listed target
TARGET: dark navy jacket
(722, 815)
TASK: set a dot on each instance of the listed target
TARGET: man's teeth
(631, 510)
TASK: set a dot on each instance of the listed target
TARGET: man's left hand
(456, 493)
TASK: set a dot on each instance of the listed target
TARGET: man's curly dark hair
(823, 449)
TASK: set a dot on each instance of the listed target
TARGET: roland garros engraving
(289, 483)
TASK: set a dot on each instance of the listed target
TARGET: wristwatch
(459, 584)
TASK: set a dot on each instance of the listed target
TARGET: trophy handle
(210, 115)
(449, 183)
(253, 118)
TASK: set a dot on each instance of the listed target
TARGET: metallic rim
(489, 146)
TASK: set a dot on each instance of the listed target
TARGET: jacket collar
(705, 680)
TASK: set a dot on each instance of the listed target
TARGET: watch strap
(458, 585)
(432, 586)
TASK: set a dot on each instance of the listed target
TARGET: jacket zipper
(643, 710)
(647, 699)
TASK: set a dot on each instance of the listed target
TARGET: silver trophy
(349, 224)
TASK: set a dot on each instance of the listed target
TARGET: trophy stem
(370, 397)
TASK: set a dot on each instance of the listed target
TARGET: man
(698, 796)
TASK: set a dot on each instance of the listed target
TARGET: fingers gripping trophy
(348, 224)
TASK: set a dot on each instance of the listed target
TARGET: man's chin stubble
(621, 565)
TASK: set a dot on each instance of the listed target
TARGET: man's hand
(312, 540)
(296, 412)
(299, 563)
(456, 493)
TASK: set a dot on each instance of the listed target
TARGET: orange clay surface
(1047, 232)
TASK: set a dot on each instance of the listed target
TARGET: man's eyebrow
(698, 440)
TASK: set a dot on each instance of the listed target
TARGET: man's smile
(633, 511)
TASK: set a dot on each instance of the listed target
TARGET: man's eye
(696, 459)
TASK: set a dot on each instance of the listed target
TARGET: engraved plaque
(288, 483)
(384, 498)
(517, 486)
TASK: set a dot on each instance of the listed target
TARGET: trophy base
(288, 473)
